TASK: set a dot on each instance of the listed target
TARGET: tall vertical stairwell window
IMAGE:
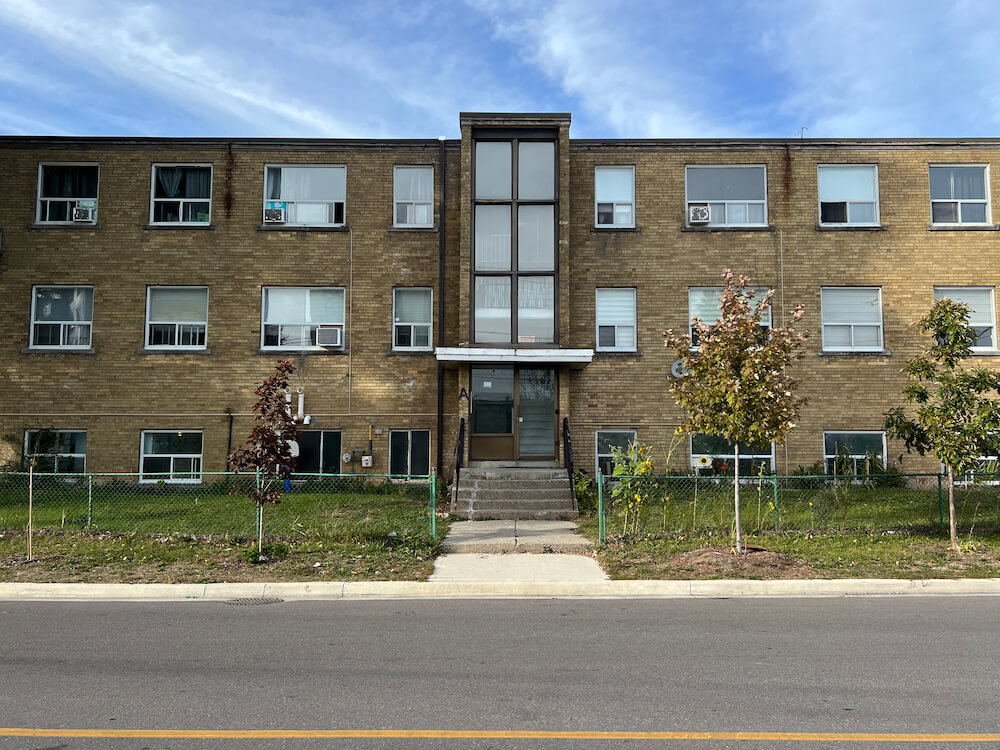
(515, 239)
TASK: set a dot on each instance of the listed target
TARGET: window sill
(404, 229)
(56, 351)
(986, 352)
(299, 352)
(68, 225)
(960, 228)
(410, 353)
(764, 228)
(600, 230)
(850, 355)
(301, 228)
(196, 227)
(614, 354)
(177, 350)
(849, 228)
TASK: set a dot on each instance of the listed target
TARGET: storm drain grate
(252, 601)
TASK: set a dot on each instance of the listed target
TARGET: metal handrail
(568, 448)
(459, 450)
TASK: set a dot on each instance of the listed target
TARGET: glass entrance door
(492, 421)
(536, 433)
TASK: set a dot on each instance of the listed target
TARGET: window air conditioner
(274, 216)
(699, 215)
(84, 214)
(330, 336)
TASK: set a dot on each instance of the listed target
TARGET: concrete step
(538, 515)
(514, 493)
(513, 464)
(518, 485)
(542, 503)
(511, 474)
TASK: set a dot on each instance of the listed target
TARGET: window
(854, 453)
(176, 317)
(852, 319)
(171, 456)
(412, 318)
(982, 317)
(704, 303)
(616, 320)
(63, 188)
(958, 195)
(712, 454)
(292, 315)
(409, 452)
(413, 193)
(309, 196)
(848, 194)
(319, 452)
(735, 196)
(606, 441)
(182, 194)
(56, 451)
(614, 196)
(61, 316)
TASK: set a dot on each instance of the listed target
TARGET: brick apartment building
(516, 279)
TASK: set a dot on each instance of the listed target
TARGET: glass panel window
(292, 316)
(536, 171)
(170, 456)
(56, 451)
(305, 195)
(413, 196)
(493, 238)
(536, 238)
(493, 170)
(606, 441)
(182, 194)
(982, 316)
(616, 320)
(409, 452)
(319, 452)
(412, 318)
(62, 316)
(704, 303)
(713, 454)
(493, 309)
(535, 309)
(854, 453)
(735, 196)
(176, 317)
(852, 318)
(959, 195)
(67, 193)
(848, 194)
(614, 196)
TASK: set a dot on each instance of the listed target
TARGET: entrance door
(513, 414)
(536, 423)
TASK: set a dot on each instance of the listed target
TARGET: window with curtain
(982, 315)
(736, 196)
(291, 315)
(704, 303)
(413, 196)
(614, 196)
(848, 194)
(412, 318)
(309, 195)
(616, 320)
(959, 195)
(61, 316)
(854, 454)
(182, 194)
(176, 317)
(56, 451)
(170, 456)
(852, 318)
(63, 187)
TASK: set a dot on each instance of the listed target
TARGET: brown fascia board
(521, 118)
(252, 144)
(744, 144)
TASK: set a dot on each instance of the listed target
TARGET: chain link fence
(663, 505)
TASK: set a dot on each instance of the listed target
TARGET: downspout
(440, 340)
(229, 441)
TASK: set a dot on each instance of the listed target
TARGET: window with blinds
(412, 316)
(848, 194)
(308, 195)
(982, 315)
(176, 317)
(413, 195)
(616, 320)
(852, 318)
(292, 315)
(614, 196)
(704, 304)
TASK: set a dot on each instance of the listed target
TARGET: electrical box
(378, 430)
(366, 462)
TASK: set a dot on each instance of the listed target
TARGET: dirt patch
(723, 562)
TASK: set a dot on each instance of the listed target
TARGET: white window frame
(688, 202)
(153, 200)
(27, 455)
(598, 324)
(852, 348)
(177, 324)
(597, 443)
(730, 456)
(758, 289)
(403, 324)
(993, 311)
(74, 201)
(854, 457)
(63, 324)
(331, 203)
(143, 478)
(878, 215)
(263, 324)
(396, 204)
(985, 200)
(409, 454)
(614, 204)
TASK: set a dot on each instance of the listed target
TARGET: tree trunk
(952, 523)
(736, 494)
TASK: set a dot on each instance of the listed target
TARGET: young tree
(267, 450)
(736, 385)
(955, 413)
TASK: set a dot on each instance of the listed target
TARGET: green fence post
(940, 501)
(90, 500)
(775, 503)
(433, 504)
(601, 527)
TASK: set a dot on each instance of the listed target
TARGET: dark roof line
(812, 142)
(103, 141)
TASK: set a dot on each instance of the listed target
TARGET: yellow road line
(444, 734)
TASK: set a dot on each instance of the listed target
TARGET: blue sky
(740, 68)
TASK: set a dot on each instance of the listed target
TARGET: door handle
(520, 419)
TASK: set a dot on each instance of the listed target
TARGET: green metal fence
(214, 504)
(650, 505)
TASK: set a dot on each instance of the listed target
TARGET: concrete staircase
(488, 491)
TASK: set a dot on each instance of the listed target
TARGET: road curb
(342, 590)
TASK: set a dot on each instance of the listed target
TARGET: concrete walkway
(514, 536)
(526, 568)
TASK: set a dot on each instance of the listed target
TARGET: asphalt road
(871, 666)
